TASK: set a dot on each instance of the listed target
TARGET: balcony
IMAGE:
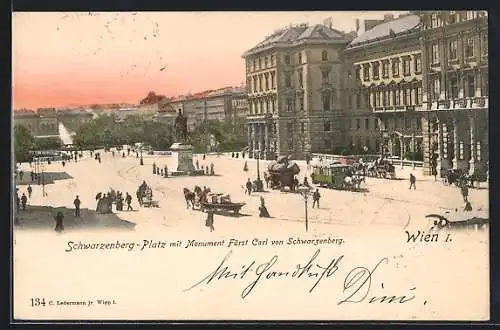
(443, 104)
(480, 102)
(326, 86)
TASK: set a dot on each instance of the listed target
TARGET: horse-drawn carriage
(221, 202)
(381, 168)
(281, 173)
(145, 196)
(203, 200)
(336, 175)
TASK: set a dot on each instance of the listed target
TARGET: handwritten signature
(356, 287)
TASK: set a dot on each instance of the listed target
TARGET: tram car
(331, 175)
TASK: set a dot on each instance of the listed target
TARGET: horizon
(79, 59)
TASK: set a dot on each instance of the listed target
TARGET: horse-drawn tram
(221, 202)
(335, 175)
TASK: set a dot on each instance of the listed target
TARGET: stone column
(266, 140)
(460, 47)
(259, 137)
(440, 158)
(443, 63)
(249, 136)
(412, 146)
(455, 142)
(479, 82)
(473, 151)
(425, 69)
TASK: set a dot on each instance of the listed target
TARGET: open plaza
(381, 203)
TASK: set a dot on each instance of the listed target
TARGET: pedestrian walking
(197, 165)
(128, 199)
(412, 181)
(32, 176)
(21, 174)
(30, 190)
(316, 197)
(59, 221)
(24, 199)
(465, 191)
(77, 203)
(18, 202)
(249, 186)
(210, 220)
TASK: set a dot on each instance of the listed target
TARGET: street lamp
(305, 191)
(258, 183)
(141, 161)
(42, 167)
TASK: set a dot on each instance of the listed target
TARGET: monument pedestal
(184, 160)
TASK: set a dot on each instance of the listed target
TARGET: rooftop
(400, 25)
(299, 33)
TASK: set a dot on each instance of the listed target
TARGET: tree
(23, 143)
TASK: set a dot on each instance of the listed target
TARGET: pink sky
(77, 58)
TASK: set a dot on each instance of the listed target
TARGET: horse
(189, 196)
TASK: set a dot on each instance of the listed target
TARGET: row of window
(405, 94)
(262, 82)
(469, 48)
(394, 124)
(356, 123)
(377, 70)
(469, 87)
(262, 105)
(452, 17)
(268, 61)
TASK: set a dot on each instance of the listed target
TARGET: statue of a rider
(181, 127)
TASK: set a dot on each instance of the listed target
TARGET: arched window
(324, 56)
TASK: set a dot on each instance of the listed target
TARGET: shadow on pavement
(42, 218)
(50, 177)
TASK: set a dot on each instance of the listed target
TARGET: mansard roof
(401, 25)
(296, 34)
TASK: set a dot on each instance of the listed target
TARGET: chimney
(388, 17)
(357, 25)
(328, 22)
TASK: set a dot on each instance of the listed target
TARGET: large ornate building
(455, 96)
(384, 88)
(42, 122)
(294, 79)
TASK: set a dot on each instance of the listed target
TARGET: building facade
(42, 122)
(294, 80)
(73, 119)
(210, 105)
(384, 89)
(455, 96)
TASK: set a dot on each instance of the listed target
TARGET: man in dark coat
(24, 200)
(77, 203)
(249, 186)
(412, 181)
(128, 199)
(59, 221)
(210, 220)
(316, 197)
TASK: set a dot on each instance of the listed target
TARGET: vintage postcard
(250, 166)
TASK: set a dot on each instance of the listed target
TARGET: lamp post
(141, 162)
(258, 183)
(42, 167)
(305, 191)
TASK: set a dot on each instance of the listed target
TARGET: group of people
(163, 171)
(105, 202)
(205, 168)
